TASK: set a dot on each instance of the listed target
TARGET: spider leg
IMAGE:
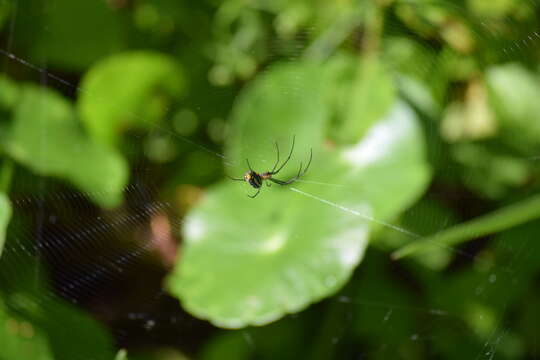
(249, 166)
(286, 160)
(299, 175)
(277, 161)
(281, 182)
(257, 193)
(309, 162)
(236, 179)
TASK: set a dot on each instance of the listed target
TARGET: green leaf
(418, 94)
(5, 215)
(9, 93)
(21, 339)
(129, 90)
(514, 93)
(490, 172)
(250, 261)
(46, 138)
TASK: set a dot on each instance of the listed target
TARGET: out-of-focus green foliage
(21, 340)
(514, 96)
(45, 137)
(368, 96)
(36, 324)
(5, 215)
(423, 118)
(64, 33)
(294, 260)
(139, 83)
(500, 219)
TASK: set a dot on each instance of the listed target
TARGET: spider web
(94, 258)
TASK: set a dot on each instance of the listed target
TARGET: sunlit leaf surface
(309, 236)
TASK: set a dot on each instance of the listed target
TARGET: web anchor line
(48, 74)
(380, 222)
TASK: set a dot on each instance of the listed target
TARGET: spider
(256, 179)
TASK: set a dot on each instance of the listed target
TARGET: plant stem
(496, 221)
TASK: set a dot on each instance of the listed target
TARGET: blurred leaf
(5, 215)
(418, 94)
(21, 339)
(250, 261)
(490, 172)
(129, 90)
(9, 93)
(70, 332)
(121, 355)
(497, 8)
(45, 137)
(410, 58)
(514, 93)
(458, 35)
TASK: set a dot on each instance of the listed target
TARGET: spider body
(256, 179)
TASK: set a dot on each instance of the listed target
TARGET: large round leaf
(250, 261)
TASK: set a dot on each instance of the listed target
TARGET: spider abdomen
(254, 179)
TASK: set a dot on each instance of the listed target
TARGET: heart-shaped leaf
(250, 261)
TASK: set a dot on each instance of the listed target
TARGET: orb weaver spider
(256, 179)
